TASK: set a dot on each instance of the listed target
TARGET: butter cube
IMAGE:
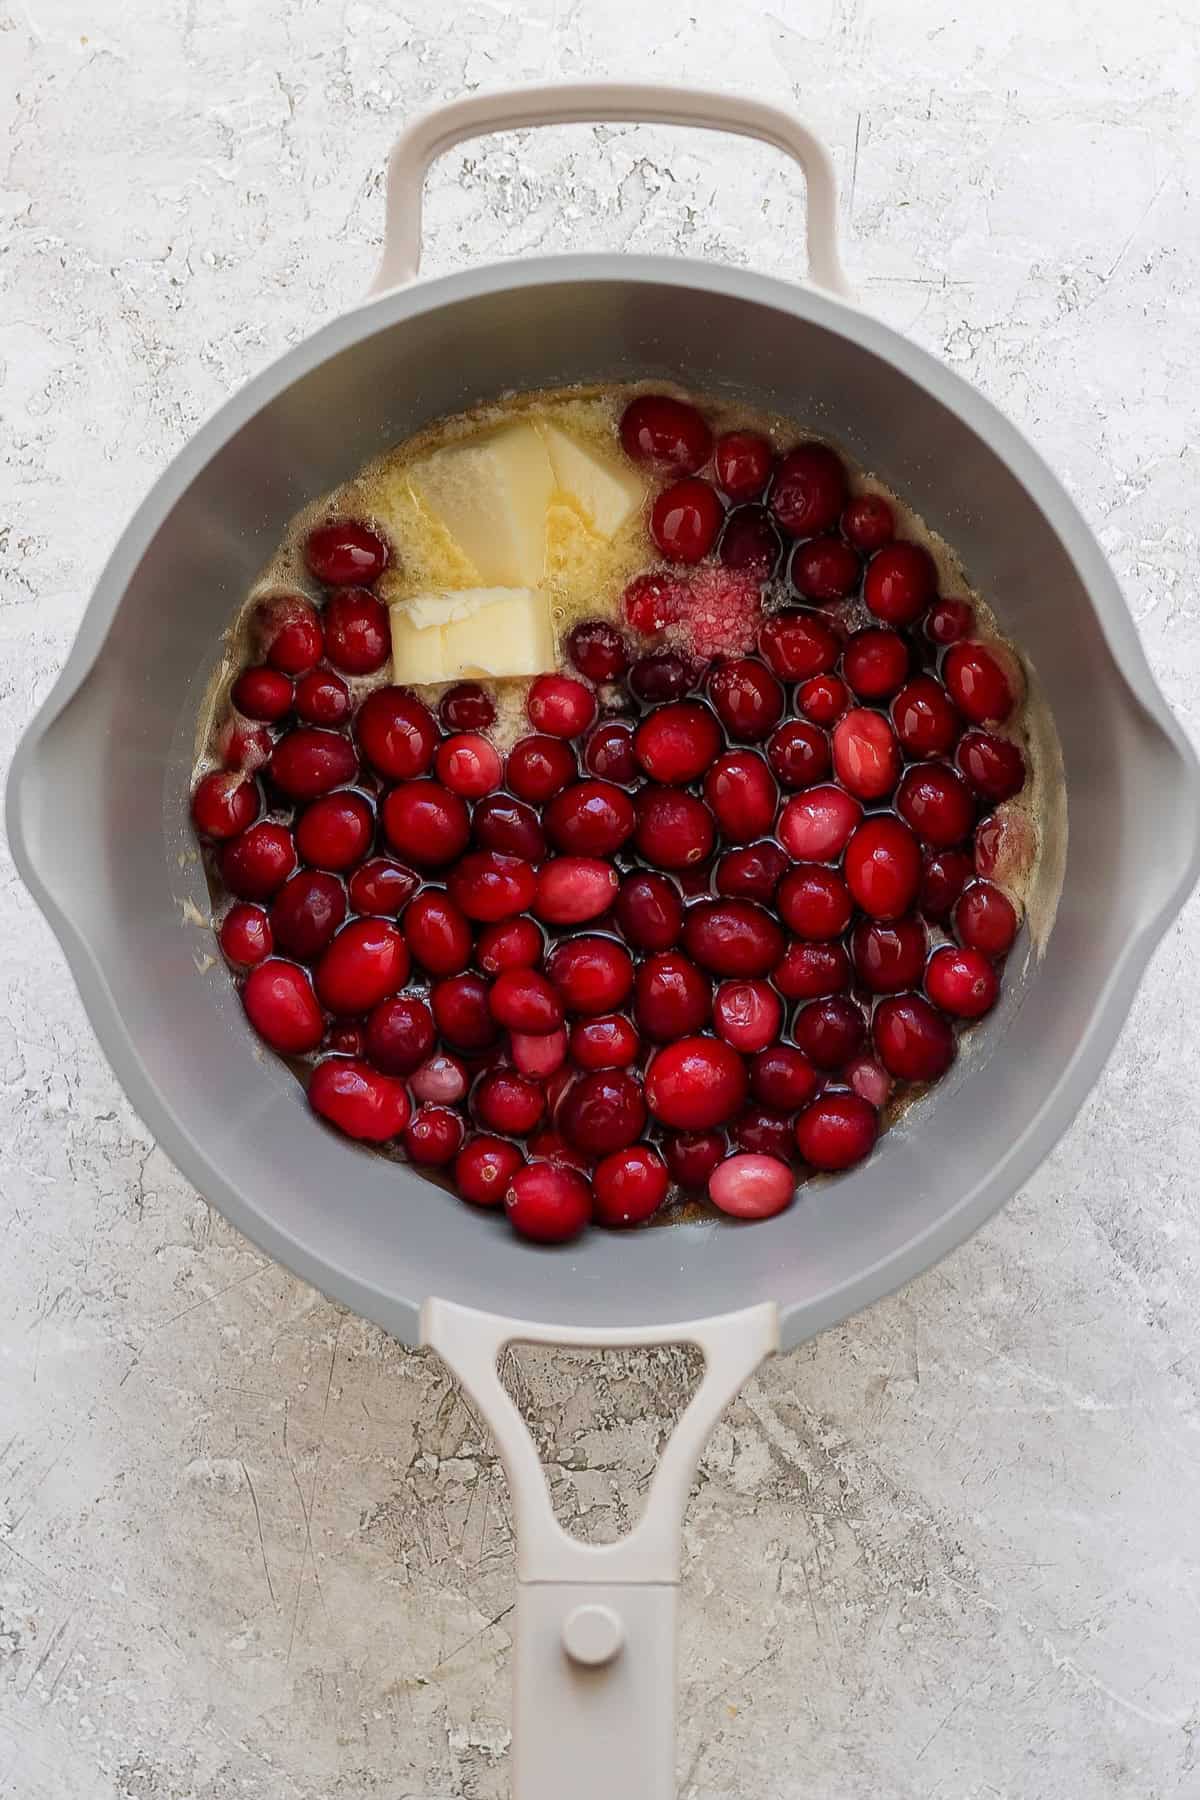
(476, 632)
(491, 494)
(606, 491)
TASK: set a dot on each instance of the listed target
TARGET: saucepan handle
(594, 1652)
(594, 103)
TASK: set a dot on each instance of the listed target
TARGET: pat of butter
(605, 491)
(492, 631)
(491, 494)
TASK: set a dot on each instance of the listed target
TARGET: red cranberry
(282, 1007)
(742, 794)
(508, 1102)
(753, 1186)
(592, 974)
(748, 698)
(983, 680)
(539, 766)
(308, 762)
(467, 707)
(591, 818)
(836, 1131)
(550, 1146)
(522, 1000)
(664, 434)
(358, 1100)
(672, 998)
(560, 706)
(243, 746)
(764, 1133)
(488, 886)
(823, 699)
(986, 919)
(461, 1011)
(426, 823)
(677, 743)
(396, 733)
(691, 1156)
(381, 886)
(814, 902)
(649, 911)
(747, 1014)
(809, 490)
(509, 826)
(400, 1034)
(306, 912)
(742, 460)
(831, 1031)
(433, 1137)
(1004, 846)
(357, 633)
(609, 753)
(875, 662)
(322, 698)
(869, 1079)
(901, 581)
(573, 889)
(883, 867)
(732, 937)
(783, 1078)
(468, 764)
(993, 765)
(344, 1037)
(367, 961)
(335, 831)
(609, 1042)
(344, 553)
(868, 522)
(825, 570)
(442, 1080)
(962, 983)
(937, 803)
(674, 829)
(750, 543)
(653, 601)
(598, 650)
(256, 864)
(483, 1169)
(815, 826)
(914, 1042)
(752, 872)
(602, 1112)
(290, 634)
(889, 958)
(246, 935)
(509, 944)
(538, 1054)
(943, 877)
(264, 694)
(437, 933)
(806, 971)
(926, 719)
(948, 620)
(798, 644)
(224, 805)
(685, 519)
(696, 1083)
(548, 1203)
(866, 756)
(629, 1186)
(661, 677)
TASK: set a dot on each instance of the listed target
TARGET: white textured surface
(250, 1548)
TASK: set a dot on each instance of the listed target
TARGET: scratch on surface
(854, 167)
(262, 1546)
(209, 1298)
(312, 1494)
(467, 1641)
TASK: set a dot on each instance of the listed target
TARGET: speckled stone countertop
(249, 1547)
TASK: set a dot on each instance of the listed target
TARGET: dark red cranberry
(548, 1202)
(609, 753)
(468, 765)
(985, 919)
(437, 932)
(306, 912)
(926, 719)
(653, 601)
(602, 1112)
(665, 434)
(461, 1011)
(823, 699)
(868, 522)
(359, 1100)
(538, 767)
(678, 742)
(783, 1078)
(488, 885)
(875, 663)
(962, 982)
(747, 697)
(522, 1000)
(467, 707)
(335, 831)
(433, 1136)
(752, 872)
(573, 889)
(993, 765)
(224, 805)
(590, 818)
(663, 676)
(741, 791)
(509, 826)
(750, 542)
(245, 935)
(983, 679)
(400, 1034)
(649, 911)
(732, 937)
(937, 803)
(509, 944)
(943, 877)
(742, 460)
(809, 490)
(798, 644)
(255, 865)
(307, 762)
(281, 1006)
(889, 958)
(748, 1015)
(598, 650)
(914, 1041)
(322, 698)
(592, 974)
(814, 902)
(831, 1031)
(629, 1186)
(243, 746)
(357, 633)
(815, 826)
(691, 1156)
(763, 1132)
(507, 1101)
(901, 581)
(345, 1037)
(426, 823)
(674, 829)
(290, 634)
(696, 1083)
(866, 756)
(483, 1169)
(381, 886)
(836, 1131)
(264, 694)
(672, 998)
(367, 961)
(559, 706)
(396, 733)
(609, 1042)
(883, 867)
(825, 570)
(948, 620)
(345, 553)
(685, 519)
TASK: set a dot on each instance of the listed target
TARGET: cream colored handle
(594, 103)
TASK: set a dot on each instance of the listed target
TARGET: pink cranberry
(509, 826)
(782, 1078)
(868, 522)
(674, 829)
(836, 1131)
(322, 698)
(763, 1132)
(672, 998)
(468, 765)
(487, 885)
(1004, 846)
(825, 570)
(664, 434)
(809, 490)
(522, 1000)
(937, 803)
(927, 721)
(433, 1136)
(961, 982)
(723, 611)
(400, 1034)
(677, 743)
(661, 677)
(986, 919)
(869, 1079)
(344, 553)
(691, 1156)
(653, 601)
(883, 867)
(246, 935)
(742, 794)
(591, 818)
(649, 911)
(306, 912)
(747, 1014)
(307, 762)
(889, 958)
(426, 823)
(875, 662)
(290, 634)
(732, 937)
(609, 752)
(866, 756)
(742, 460)
(243, 746)
(752, 1186)
(281, 1006)
(685, 519)
(901, 581)
(983, 679)
(913, 1041)
(539, 766)
(467, 707)
(264, 694)
(573, 889)
(396, 733)
(948, 620)
(798, 644)
(484, 1168)
(752, 872)
(509, 1102)
(509, 944)
(823, 699)
(560, 706)
(358, 1100)
(943, 877)
(815, 826)
(807, 970)
(538, 1054)
(437, 932)
(696, 1083)
(367, 961)
(747, 697)
(629, 1186)
(609, 1042)
(993, 765)
(357, 633)
(598, 650)
(442, 1080)
(224, 805)
(831, 1031)
(592, 974)
(258, 863)
(750, 543)
(549, 1203)
(814, 902)
(461, 1011)
(602, 1112)
(335, 831)
(381, 886)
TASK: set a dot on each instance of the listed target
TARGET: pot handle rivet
(592, 1635)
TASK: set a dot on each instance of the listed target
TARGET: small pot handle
(594, 1648)
(593, 103)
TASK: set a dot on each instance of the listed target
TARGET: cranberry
(750, 543)
(243, 746)
(400, 1034)
(396, 733)
(245, 935)
(603, 1111)
(264, 694)
(869, 1079)
(345, 553)
(747, 1014)
(825, 570)
(723, 611)
(609, 753)
(335, 831)
(358, 1100)
(814, 902)
(509, 944)
(522, 1000)
(674, 829)
(782, 1078)
(926, 719)
(592, 818)
(483, 1169)
(986, 919)
(357, 633)
(461, 1012)
(752, 1186)
(677, 743)
(664, 434)
(538, 1054)
(809, 490)
(1004, 846)
(866, 756)
(883, 867)
(901, 581)
(807, 970)
(948, 620)
(732, 937)
(609, 1042)
(573, 889)
(441, 1080)
(815, 826)
(500, 823)
(256, 864)
(653, 601)
(322, 698)
(598, 650)
(962, 982)
(831, 1031)
(685, 519)
(307, 762)
(426, 823)
(937, 803)
(487, 885)
(560, 706)
(381, 886)
(868, 522)
(548, 1203)
(943, 878)
(836, 1131)
(466, 707)
(691, 1156)
(290, 634)
(798, 644)
(437, 933)
(367, 961)
(629, 1186)
(914, 1042)
(539, 766)
(823, 699)
(224, 805)
(433, 1136)
(748, 698)
(994, 766)
(468, 765)
(592, 974)
(751, 873)
(672, 998)
(742, 460)
(742, 794)
(763, 1132)
(509, 1102)
(344, 1037)
(306, 912)
(696, 1083)
(889, 958)
(549, 1146)
(661, 677)
(282, 1007)
(875, 663)
(983, 680)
